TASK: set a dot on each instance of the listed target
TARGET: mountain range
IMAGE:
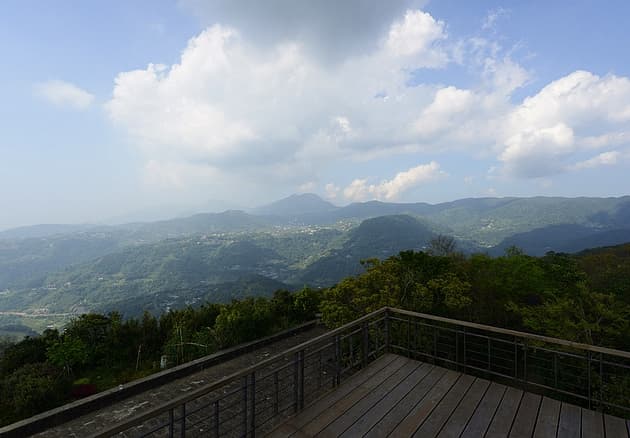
(299, 240)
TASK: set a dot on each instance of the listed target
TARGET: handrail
(563, 342)
(138, 419)
(388, 316)
(61, 414)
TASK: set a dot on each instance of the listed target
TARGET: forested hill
(296, 241)
(583, 297)
(379, 237)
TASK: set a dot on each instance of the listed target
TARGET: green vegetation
(50, 273)
(97, 351)
(583, 298)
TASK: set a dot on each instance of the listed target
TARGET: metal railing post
(408, 336)
(525, 380)
(456, 350)
(435, 344)
(276, 393)
(588, 364)
(216, 418)
(244, 403)
(171, 423)
(465, 353)
(601, 382)
(253, 403)
(515, 358)
(296, 377)
(489, 355)
(337, 379)
(366, 343)
(182, 430)
(387, 330)
(555, 370)
(301, 392)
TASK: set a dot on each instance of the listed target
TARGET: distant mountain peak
(296, 204)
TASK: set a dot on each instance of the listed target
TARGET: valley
(48, 274)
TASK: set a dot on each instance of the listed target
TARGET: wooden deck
(399, 397)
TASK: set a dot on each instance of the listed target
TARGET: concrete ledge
(70, 411)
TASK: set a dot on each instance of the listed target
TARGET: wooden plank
(334, 410)
(525, 419)
(615, 427)
(592, 424)
(379, 410)
(482, 416)
(423, 409)
(503, 417)
(382, 365)
(350, 416)
(548, 416)
(458, 420)
(446, 407)
(570, 423)
(400, 411)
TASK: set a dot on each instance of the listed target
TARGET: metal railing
(254, 400)
(590, 376)
(257, 398)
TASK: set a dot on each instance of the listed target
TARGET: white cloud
(416, 33)
(538, 137)
(233, 106)
(493, 16)
(536, 153)
(307, 187)
(265, 115)
(329, 30)
(64, 94)
(603, 159)
(360, 190)
(449, 106)
(545, 131)
(331, 191)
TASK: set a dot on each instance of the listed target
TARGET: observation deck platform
(390, 373)
(400, 397)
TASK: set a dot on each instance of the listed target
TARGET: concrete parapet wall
(62, 414)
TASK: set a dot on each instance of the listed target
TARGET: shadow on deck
(401, 397)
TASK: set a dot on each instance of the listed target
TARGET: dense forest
(583, 297)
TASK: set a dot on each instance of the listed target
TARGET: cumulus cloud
(329, 30)
(450, 105)
(230, 105)
(360, 190)
(415, 33)
(603, 159)
(64, 94)
(546, 130)
(270, 111)
(538, 137)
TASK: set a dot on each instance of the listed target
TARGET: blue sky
(113, 108)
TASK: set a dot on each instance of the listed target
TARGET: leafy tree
(67, 352)
(28, 351)
(31, 389)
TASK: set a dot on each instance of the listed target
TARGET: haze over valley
(49, 273)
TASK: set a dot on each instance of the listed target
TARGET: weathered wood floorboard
(400, 397)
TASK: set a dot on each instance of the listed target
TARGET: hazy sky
(118, 106)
